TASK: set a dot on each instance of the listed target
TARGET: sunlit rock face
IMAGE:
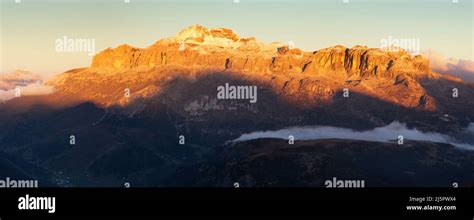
(139, 101)
(306, 78)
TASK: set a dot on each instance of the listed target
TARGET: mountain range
(129, 109)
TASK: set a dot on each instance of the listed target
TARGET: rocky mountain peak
(318, 76)
(202, 35)
(222, 48)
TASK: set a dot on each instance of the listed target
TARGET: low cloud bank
(463, 69)
(25, 82)
(31, 89)
(380, 134)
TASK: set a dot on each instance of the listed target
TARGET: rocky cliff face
(223, 49)
(172, 91)
(306, 77)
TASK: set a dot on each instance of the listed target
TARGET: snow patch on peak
(201, 35)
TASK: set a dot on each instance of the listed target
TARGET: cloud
(471, 127)
(463, 69)
(380, 134)
(18, 78)
(23, 81)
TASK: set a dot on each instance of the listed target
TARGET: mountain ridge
(303, 77)
(340, 86)
(248, 54)
(172, 94)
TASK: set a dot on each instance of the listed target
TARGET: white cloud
(380, 134)
(26, 82)
(463, 69)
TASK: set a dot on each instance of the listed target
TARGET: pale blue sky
(29, 29)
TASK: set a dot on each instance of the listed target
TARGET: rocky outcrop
(222, 48)
(309, 78)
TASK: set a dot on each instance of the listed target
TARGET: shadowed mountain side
(194, 102)
(275, 163)
(138, 142)
(443, 89)
(190, 104)
(129, 108)
(109, 148)
(16, 168)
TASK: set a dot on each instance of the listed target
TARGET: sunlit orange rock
(305, 77)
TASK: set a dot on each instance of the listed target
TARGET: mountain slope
(390, 76)
(184, 71)
(173, 92)
(275, 163)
